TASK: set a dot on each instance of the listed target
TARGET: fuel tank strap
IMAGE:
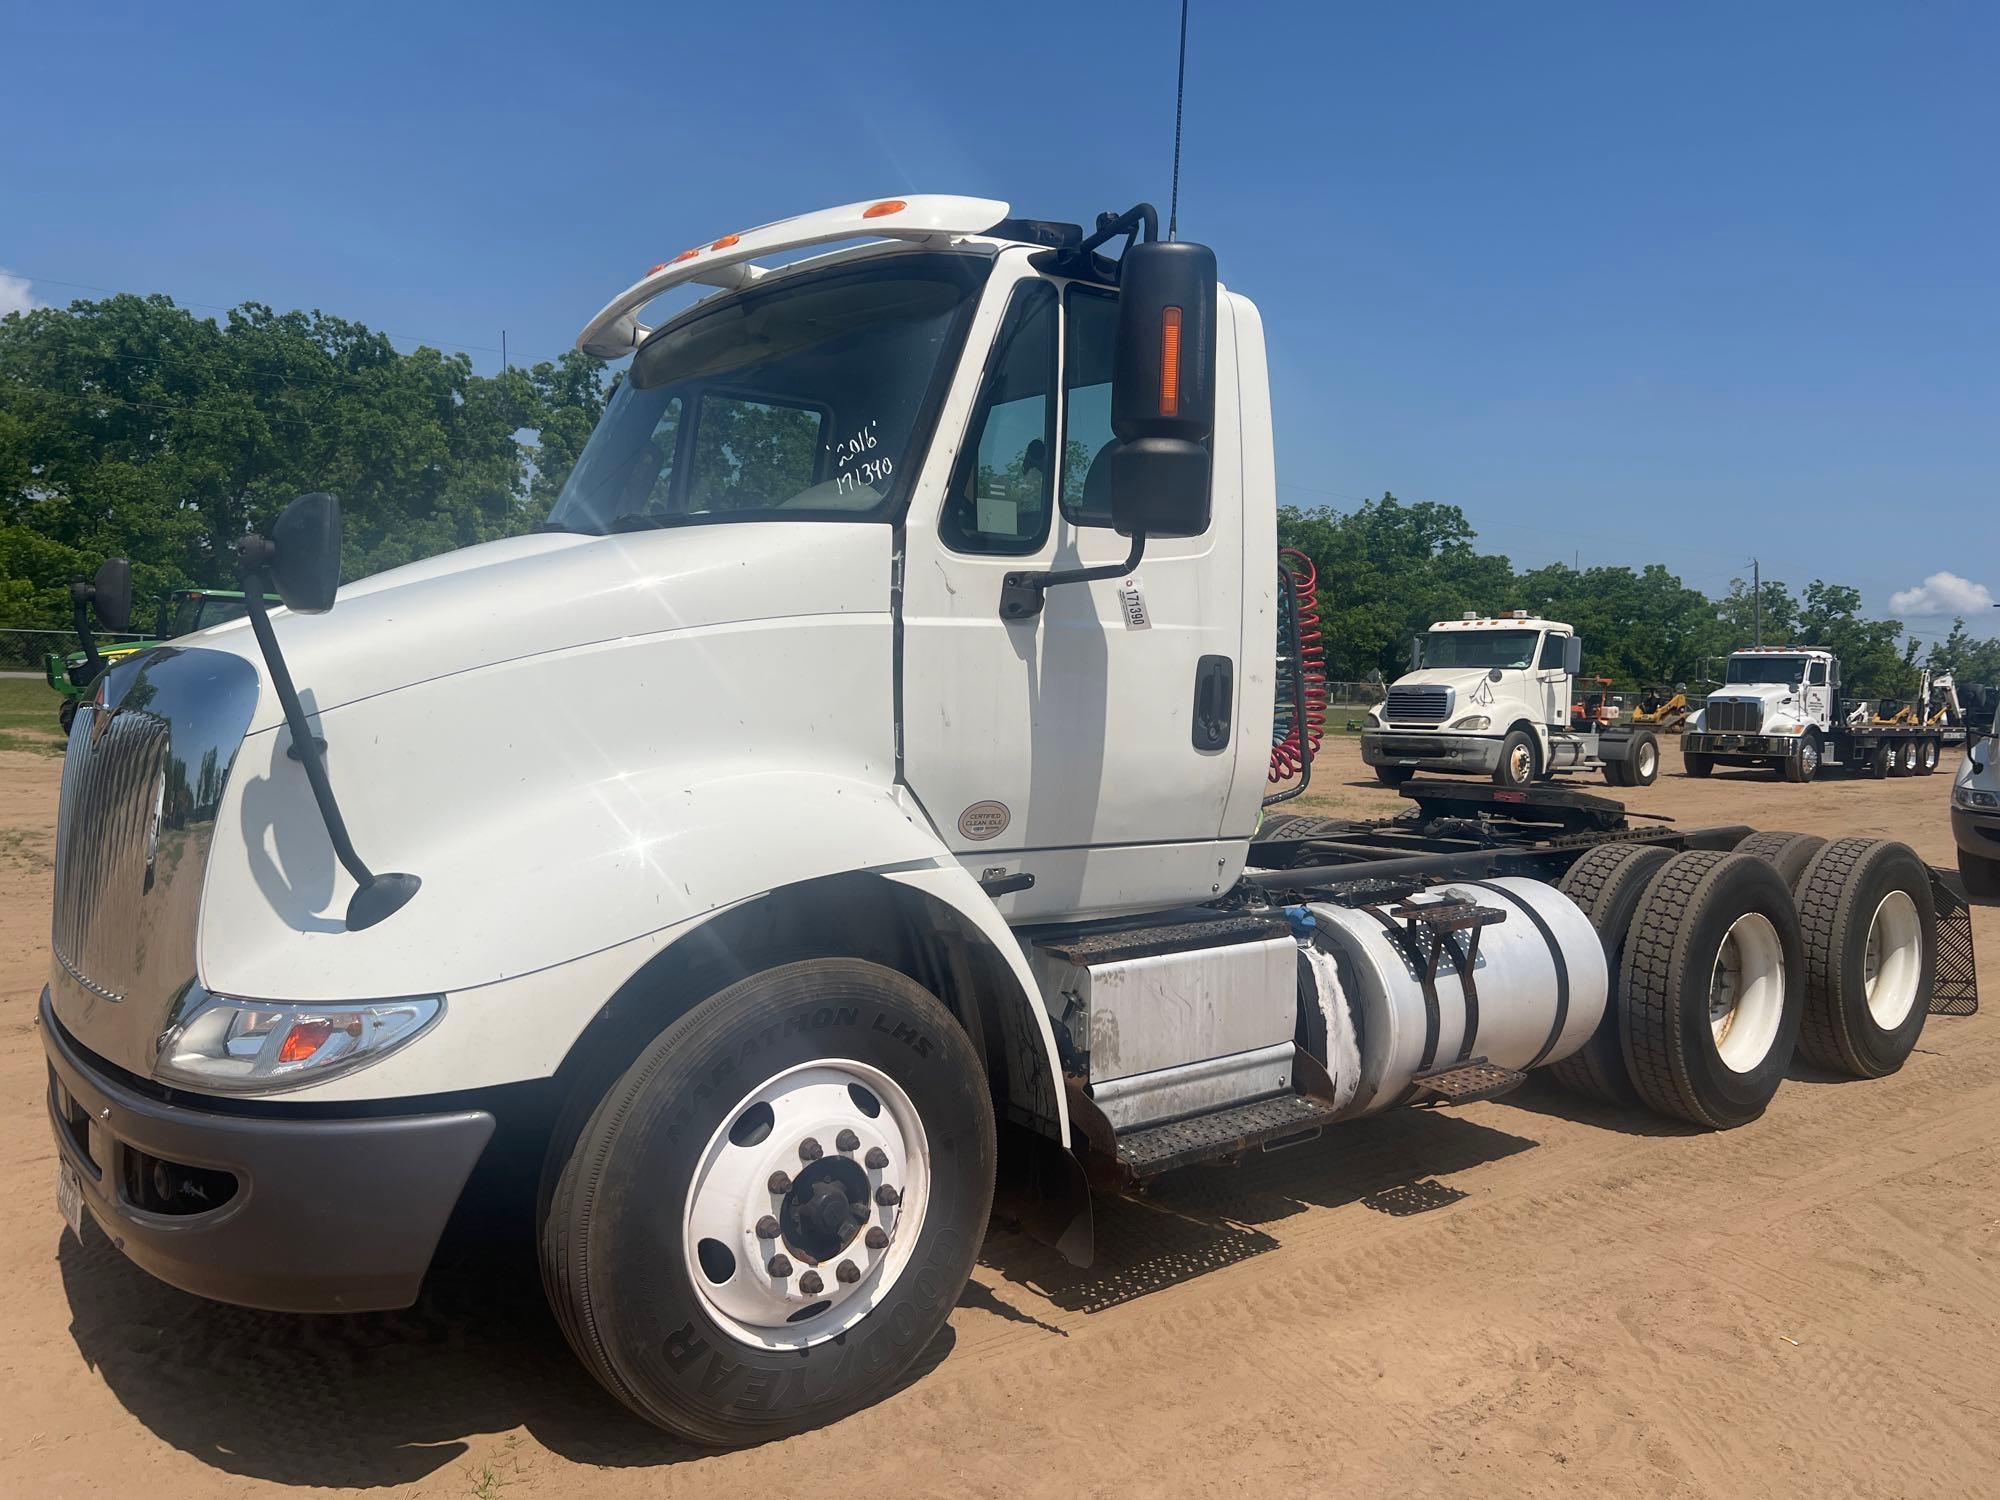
(1555, 954)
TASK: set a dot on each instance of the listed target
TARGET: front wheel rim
(1892, 961)
(1746, 992)
(1520, 765)
(1809, 757)
(807, 1204)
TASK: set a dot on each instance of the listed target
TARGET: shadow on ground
(1207, 1217)
(361, 1401)
(381, 1399)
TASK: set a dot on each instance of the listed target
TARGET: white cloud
(14, 296)
(1942, 594)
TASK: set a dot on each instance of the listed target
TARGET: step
(1469, 1081)
(1153, 1149)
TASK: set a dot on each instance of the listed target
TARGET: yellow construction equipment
(1663, 710)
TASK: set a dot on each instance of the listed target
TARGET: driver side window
(1552, 652)
(1816, 674)
(1003, 486)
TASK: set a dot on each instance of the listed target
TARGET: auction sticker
(984, 820)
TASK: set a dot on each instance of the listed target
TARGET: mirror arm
(376, 896)
(1021, 593)
(80, 618)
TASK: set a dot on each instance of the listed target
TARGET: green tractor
(182, 612)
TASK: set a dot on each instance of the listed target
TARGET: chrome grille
(107, 843)
(1735, 715)
(142, 782)
(1417, 705)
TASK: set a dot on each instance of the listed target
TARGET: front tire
(1803, 763)
(1393, 776)
(1517, 760)
(771, 1214)
(1697, 765)
(66, 714)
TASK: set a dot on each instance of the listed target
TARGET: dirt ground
(1529, 1296)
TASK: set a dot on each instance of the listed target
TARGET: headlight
(1971, 796)
(1471, 721)
(223, 1045)
(1375, 716)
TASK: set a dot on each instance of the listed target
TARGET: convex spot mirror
(109, 594)
(1163, 389)
(304, 554)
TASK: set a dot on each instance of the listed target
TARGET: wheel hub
(1746, 992)
(807, 1203)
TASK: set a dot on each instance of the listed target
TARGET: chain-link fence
(24, 650)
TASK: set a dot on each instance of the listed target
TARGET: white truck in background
(1497, 696)
(1782, 707)
(857, 784)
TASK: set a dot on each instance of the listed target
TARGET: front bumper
(293, 1215)
(1976, 832)
(1703, 742)
(1426, 750)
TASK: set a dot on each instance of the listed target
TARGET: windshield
(1512, 649)
(1749, 669)
(804, 402)
(199, 611)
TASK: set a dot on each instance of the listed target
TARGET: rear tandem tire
(1870, 932)
(1790, 853)
(660, 1160)
(1711, 987)
(1927, 757)
(1607, 883)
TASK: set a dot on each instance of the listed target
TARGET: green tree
(130, 426)
(1871, 665)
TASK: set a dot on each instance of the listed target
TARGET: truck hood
(1770, 694)
(1465, 679)
(524, 596)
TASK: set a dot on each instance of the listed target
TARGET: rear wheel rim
(1892, 962)
(1649, 760)
(1746, 992)
(806, 1204)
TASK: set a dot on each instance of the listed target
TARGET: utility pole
(1757, 594)
(504, 366)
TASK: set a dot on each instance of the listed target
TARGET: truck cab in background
(1782, 706)
(1495, 696)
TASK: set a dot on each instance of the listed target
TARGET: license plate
(69, 1197)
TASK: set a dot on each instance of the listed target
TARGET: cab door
(1067, 747)
(1552, 676)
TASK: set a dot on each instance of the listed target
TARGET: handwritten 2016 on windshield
(852, 466)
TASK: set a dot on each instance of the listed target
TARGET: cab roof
(1505, 622)
(1782, 651)
(921, 218)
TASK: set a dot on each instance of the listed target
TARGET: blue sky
(1628, 282)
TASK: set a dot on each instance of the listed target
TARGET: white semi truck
(1782, 707)
(1496, 696)
(852, 788)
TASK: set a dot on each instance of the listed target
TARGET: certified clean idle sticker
(984, 820)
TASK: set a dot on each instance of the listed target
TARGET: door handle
(1214, 700)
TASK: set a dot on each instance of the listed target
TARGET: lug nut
(877, 1238)
(810, 1284)
(848, 1272)
(779, 1184)
(809, 1150)
(767, 1228)
(887, 1196)
(847, 1140)
(876, 1159)
(779, 1266)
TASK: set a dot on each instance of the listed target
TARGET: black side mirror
(109, 594)
(302, 556)
(1163, 389)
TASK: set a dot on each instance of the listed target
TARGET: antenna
(1180, 93)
